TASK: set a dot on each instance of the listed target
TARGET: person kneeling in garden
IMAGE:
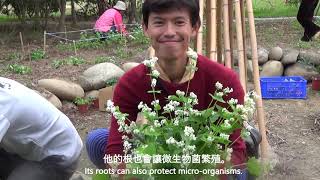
(37, 141)
(176, 103)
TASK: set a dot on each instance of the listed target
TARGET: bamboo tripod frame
(234, 10)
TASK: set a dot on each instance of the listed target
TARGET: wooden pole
(226, 33)
(44, 41)
(240, 45)
(208, 28)
(230, 5)
(75, 47)
(22, 46)
(219, 32)
(65, 32)
(213, 30)
(259, 105)
(199, 39)
(243, 20)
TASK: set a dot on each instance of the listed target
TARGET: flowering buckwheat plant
(177, 136)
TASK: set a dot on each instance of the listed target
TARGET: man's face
(170, 33)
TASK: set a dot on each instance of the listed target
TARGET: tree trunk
(132, 12)
(62, 8)
(101, 7)
(73, 13)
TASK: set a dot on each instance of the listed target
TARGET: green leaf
(254, 167)
(100, 177)
(217, 98)
(207, 113)
(150, 149)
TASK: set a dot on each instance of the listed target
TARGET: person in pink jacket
(111, 20)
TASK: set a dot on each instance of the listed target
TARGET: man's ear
(145, 30)
(195, 29)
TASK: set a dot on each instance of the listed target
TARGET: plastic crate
(283, 87)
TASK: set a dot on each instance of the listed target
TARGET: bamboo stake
(219, 32)
(226, 34)
(199, 39)
(44, 41)
(65, 32)
(22, 46)
(29, 52)
(242, 6)
(230, 7)
(213, 31)
(259, 105)
(240, 45)
(75, 47)
(208, 28)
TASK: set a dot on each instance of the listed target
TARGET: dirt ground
(293, 126)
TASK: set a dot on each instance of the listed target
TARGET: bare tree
(73, 13)
(62, 8)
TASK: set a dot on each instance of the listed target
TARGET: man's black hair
(159, 6)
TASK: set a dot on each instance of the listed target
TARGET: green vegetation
(37, 54)
(103, 59)
(274, 8)
(14, 56)
(19, 69)
(112, 81)
(57, 63)
(5, 18)
(72, 60)
(82, 101)
(75, 61)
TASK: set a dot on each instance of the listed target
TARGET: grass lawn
(274, 8)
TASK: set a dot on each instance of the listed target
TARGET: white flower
(156, 123)
(155, 73)
(124, 137)
(155, 102)
(233, 101)
(127, 146)
(193, 95)
(210, 138)
(110, 106)
(171, 140)
(136, 131)
(219, 85)
(176, 122)
(168, 108)
(188, 132)
(228, 90)
(180, 93)
(224, 136)
(180, 144)
(141, 105)
(153, 82)
(229, 152)
(152, 114)
(151, 62)
(192, 54)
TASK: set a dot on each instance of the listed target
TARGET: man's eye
(158, 22)
(180, 23)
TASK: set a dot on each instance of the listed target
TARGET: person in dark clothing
(305, 18)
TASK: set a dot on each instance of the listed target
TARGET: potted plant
(82, 103)
(95, 102)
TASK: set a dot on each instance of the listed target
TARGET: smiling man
(170, 25)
